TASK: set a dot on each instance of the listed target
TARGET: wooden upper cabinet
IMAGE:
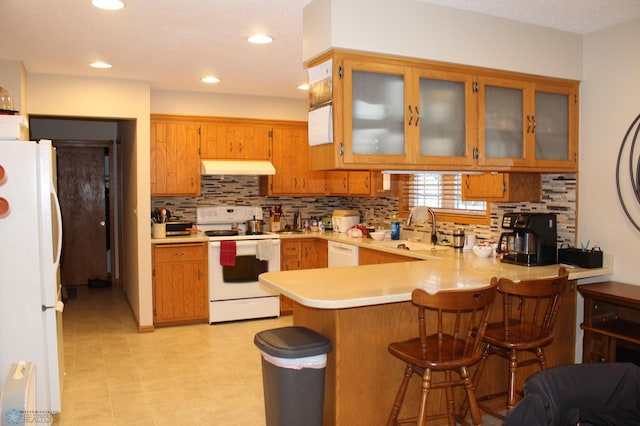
(235, 141)
(376, 122)
(506, 187)
(399, 113)
(291, 161)
(527, 124)
(407, 115)
(175, 160)
(357, 183)
(555, 126)
(446, 118)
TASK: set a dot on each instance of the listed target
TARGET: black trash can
(294, 360)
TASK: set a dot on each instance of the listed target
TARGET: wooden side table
(611, 322)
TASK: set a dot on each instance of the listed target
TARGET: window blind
(442, 192)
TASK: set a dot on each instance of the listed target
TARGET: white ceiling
(173, 43)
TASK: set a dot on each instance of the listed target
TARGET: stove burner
(253, 233)
(221, 233)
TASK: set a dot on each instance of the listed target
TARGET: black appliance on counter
(532, 239)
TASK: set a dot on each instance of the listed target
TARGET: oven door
(241, 281)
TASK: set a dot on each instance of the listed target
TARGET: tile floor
(196, 374)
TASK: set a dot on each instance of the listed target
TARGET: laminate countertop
(355, 286)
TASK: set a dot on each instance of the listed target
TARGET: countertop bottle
(395, 228)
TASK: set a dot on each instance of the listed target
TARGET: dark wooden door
(81, 189)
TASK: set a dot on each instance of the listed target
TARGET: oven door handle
(242, 243)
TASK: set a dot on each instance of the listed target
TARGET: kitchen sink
(290, 231)
(420, 246)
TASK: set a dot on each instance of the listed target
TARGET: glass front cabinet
(526, 124)
(399, 113)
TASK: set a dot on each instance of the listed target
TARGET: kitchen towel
(264, 250)
(228, 253)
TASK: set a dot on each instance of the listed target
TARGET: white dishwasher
(341, 254)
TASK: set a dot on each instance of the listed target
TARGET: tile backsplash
(558, 196)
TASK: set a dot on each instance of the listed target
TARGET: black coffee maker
(532, 239)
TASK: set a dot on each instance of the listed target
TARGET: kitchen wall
(559, 196)
(610, 101)
(126, 103)
(225, 105)
(420, 30)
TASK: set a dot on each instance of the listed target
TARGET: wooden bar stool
(449, 341)
(529, 312)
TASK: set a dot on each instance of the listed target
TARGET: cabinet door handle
(366, 182)
(344, 183)
(410, 115)
(230, 147)
(466, 181)
(240, 147)
(533, 119)
(528, 124)
(417, 115)
(295, 182)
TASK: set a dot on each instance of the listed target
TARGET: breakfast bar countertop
(354, 286)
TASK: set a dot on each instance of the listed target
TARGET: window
(443, 193)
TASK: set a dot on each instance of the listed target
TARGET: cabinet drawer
(180, 252)
(290, 248)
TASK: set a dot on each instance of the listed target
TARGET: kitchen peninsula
(364, 308)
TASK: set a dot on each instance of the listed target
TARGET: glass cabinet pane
(503, 122)
(378, 113)
(442, 118)
(552, 126)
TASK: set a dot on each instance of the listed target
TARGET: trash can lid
(292, 342)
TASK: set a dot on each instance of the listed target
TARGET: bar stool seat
(450, 341)
(530, 310)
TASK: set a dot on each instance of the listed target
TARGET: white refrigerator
(30, 247)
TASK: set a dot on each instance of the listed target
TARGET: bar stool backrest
(530, 308)
(452, 324)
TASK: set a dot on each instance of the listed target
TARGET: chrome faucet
(418, 213)
(434, 232)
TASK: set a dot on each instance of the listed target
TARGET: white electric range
(235, 261)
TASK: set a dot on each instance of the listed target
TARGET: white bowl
(482, 251)
(378, 235)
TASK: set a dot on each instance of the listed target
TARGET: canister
(458, 240)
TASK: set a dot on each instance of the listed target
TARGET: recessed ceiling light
(99, 64)
(260, 39)
(304, 86)
(108, 4)
(210, 79)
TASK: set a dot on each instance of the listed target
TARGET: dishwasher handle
(347, 248)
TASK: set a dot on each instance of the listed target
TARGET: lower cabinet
(373, 257)
(300, 253)
(611, 322)
(180, 284)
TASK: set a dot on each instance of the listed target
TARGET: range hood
(236, 167)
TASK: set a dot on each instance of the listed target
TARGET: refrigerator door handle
(59, 306)
(56, 205)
